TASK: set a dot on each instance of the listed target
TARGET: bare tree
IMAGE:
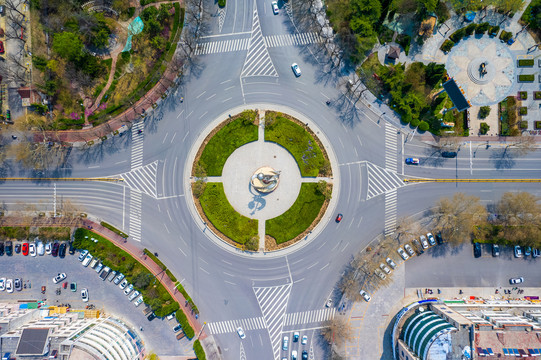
(519, 214)
(337, 331)
(522, 144)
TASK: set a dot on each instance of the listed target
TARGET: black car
(304, 355)
(1, 248)
(72, 248)
(151, 316)
(18, 284)
(449, 154)
(17, 248)
(495, 250)
(9, 248)
(476, 250)
(439, 239)
(62, 250)
(55, 249)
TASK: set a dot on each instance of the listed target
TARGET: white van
(87, 260)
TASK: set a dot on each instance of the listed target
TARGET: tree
(337, 330)
(141, 280)
(484, 111)
(519, 214)
(459, 217)
(509, 6)
(484, 128)
(522, 144)
(324, 189)
(68, 45)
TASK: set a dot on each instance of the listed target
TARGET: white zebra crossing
(390, 212)
(137, 146)
(308, 317)
(390, 148)
(292, 39)
(381, 180)
(228, 326)
(222, 46)
(135, 215)
(142, 179)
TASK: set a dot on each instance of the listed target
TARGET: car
(431, 239)
(49, 250)
(412, 161)
(105, 273)
(390, 262)
(535, 253)
(177, 328)
(18, 284)
(1, 47)
(296, 336)
(365, 296)
(138, 301)
(40, 248)
(73, 286)
(94, 263)
(518, 251)
(241, 333)
(285, 343)
(87, 260)
(296, 69)
(328, 303)
(84, 295)
(99, 268)
(424, 242)
(118, 278)
(134, 295)
(527, 251)
(339, 218)
(151, 316)
(294, 355)
(304, 340)
(9, 248)
(385, 269)
(2, 284)
(495, 250)
(111, 276)
(54, 252)
(304, 355)
(25, 249)
(81, 255)
(123, 284)
(518, 280)
(1, 248)
(58, 278)
(449, 154)
(32, 249)
(128, 289)
(402, 254)
(17, 248)
(409, 250)
(477, 250)
(439, 239)
(380, 274)
(511, 41)
(275, 9)
(62, 250)
(71, 248)
(9, 285)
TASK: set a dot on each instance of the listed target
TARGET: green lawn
(299, 216)
(224, 218)
(296, 140)
(238, 132)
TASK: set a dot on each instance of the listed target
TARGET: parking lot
(446, 266)
(110, 299)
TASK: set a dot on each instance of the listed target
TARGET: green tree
(370, 9)
(141, 280)
(509, 6)
(68, 45)
(484, 111)
(430, 5)
(484, 128)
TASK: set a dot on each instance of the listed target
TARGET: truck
(105, 273)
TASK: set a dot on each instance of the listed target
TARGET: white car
(49, 250)
(365, 296)
(81, 256)
(296, 69)
(2, 284)
(123, 284)
(409, 250)
(380, 274)
(384, 268)
(275, 9)
(518, 251)
(32, 249)
(40, 248)
(390, 262)
(518, 280)
(304, 340)
(87, 260)
(402, 254)
(329, 303)
(285, 343)
(431, 239)
(84, 295)
(9, 285)
(134, 295)
(128, 289)
(424, 242)
(138, 301)
(294, 355)
(58, 278)
(241, 333)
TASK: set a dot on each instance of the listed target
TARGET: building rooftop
(33, 341)
(456, 94)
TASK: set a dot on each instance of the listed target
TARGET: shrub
(526, 62)
(537, 95)
(185, 324)
(482, 28)
(494, 30)
(484, 128)
(198, 350)
(181, 289)
(537, 125)
(131, 12)
(524, 124)
(406, 118)
(505, 36)
(404, 41)
(523, 95)
(113, 229)
(221, 3)
(523, 110)
(447, 46)
(526, 78)
(415, 122)
(470, 29)
(484, 111)
(39, 62)
(458, 35)
(14, 232)
(423, 126)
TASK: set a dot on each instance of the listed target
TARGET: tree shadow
(503, 159)
(433, 157)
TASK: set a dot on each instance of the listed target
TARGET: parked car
(518, 280)
(477, 250)
(304, 340)
(134, 295)
(294, 355)
(118, 278)
(18, 284)
(1, 248)
(128, 290)
(32, 249)
(535, 253)
(431, 239)
(138, 301)
(99, 268)
(71, 248)
(380, 274)
(105, 273)
(177, 328)
(58, 278)
(111, 276)
(304, 355)
(402, 254)
(49, 250)
(495, 250)
(518, 251)
(62, 250)
(18, 248)
(123, 284)
(55, 249)
(527, 251)
(390, 262)
(40, 248)
(81, 256)
(365, 296)
(73, 286)
(449, 154)
(409, 250)
(385, 269)
(285, 343)
(412, 161)
(2, 284)
(439, 239)
(84, 295)
(424, 242)
(87, 260)
(94, 263)
(9, 285)
(241, 333)
(9, 248)
(296, 336)
(296, 69)
(1, 47)
(151, 316)
(275, 9)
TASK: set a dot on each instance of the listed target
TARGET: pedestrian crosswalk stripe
(381, 180)
(142, 179)
(137, 145)
(390, 147)
(135, 215)
(390, 211)
(222, 327)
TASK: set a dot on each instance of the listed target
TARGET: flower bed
(525, 62)
(526, 78)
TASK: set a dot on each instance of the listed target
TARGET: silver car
(128, 290)
(384, 268)
(409, 250)
(402, 254)
(390, 262)
(424, 242)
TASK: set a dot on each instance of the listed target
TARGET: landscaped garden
(235, 132)
(43, 233)
(285, 131)
(508, 117)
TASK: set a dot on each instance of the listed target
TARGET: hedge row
(526, 78)
(198, 349)
(187, 297)
(185, 324)
(114, 229)
(526, 62)
(161, 265)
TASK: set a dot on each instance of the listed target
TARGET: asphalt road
(228, 286)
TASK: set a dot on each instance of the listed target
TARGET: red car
(339, 218)
(25, 249)
(1, 47)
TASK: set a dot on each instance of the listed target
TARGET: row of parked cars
(36, 248)
(519, 251)
(11, 284)
(105, 273)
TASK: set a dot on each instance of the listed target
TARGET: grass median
(299, 216)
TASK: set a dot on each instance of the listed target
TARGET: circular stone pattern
(247, 160)
(481, 71)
